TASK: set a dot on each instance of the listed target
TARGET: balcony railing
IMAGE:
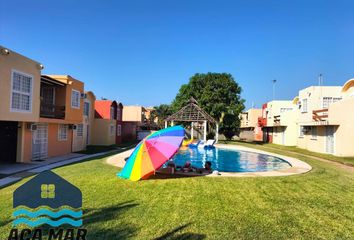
(276, 120)
(320, 115)
(244, 123)
(52, 111)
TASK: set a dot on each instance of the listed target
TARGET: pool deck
(297, 166)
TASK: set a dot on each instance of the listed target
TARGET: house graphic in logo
(47, 199)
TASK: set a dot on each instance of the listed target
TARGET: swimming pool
(227, 160)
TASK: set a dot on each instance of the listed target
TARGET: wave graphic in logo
(53, 223)
(25, 216)
(44, 211)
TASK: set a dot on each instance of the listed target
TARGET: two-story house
(279, 122)
(249, 129)
(326, 120)
(60, 118)
(19, 103)
(107, 123)
(38, 113)
(316, 132)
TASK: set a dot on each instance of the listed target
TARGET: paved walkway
(19, 171)
(13, 168)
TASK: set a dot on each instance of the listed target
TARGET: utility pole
(274, 82)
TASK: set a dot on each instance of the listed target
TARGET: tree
(218, 94)
(161, 112)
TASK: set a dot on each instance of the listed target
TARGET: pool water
(225, 160)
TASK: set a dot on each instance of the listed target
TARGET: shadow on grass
(95, 221)
(175, 234)
(4, 223)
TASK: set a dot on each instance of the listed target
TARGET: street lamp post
(274, 82)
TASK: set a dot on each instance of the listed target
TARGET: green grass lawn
(91, 149)
(316, 205)
(295, 150)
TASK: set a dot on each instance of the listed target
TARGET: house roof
(348, 84)
(63, 78)
(30, 193)
(52, 81)
(191, 113)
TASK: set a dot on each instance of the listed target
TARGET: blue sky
(140, 52)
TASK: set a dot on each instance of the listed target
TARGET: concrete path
(13, 168)
(32, 169)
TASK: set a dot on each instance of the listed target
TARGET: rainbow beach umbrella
(152, 152)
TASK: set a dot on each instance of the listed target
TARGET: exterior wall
(339, 115)
(314, 96)
(274, 109)
(89, 121)
(129, 131)
(101, 132)
(247, 134)
(55, 147)
(317, 144)
(15, 61)
(250, 118)
(72, 115)
(133, 113)
(287, 131)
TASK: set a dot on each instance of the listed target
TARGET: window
(336, 99)
(80, 130)
(304, 105)
(47, 191)
(112, 130)
(62, 132)
(21, 94)
(75, 99)
(326, 101)
(285, 109)
(118, 113)
(86, 109)
(314, 133)
(112, 113)
(302, 130)
(119, 130)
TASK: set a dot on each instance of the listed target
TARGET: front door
(40, 142)
(283, 135)
(8, 141)
(330, 139)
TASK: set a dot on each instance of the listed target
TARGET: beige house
(326, 120)
(134, 114)
(279, 122)
(315, 132)
(249, 129)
